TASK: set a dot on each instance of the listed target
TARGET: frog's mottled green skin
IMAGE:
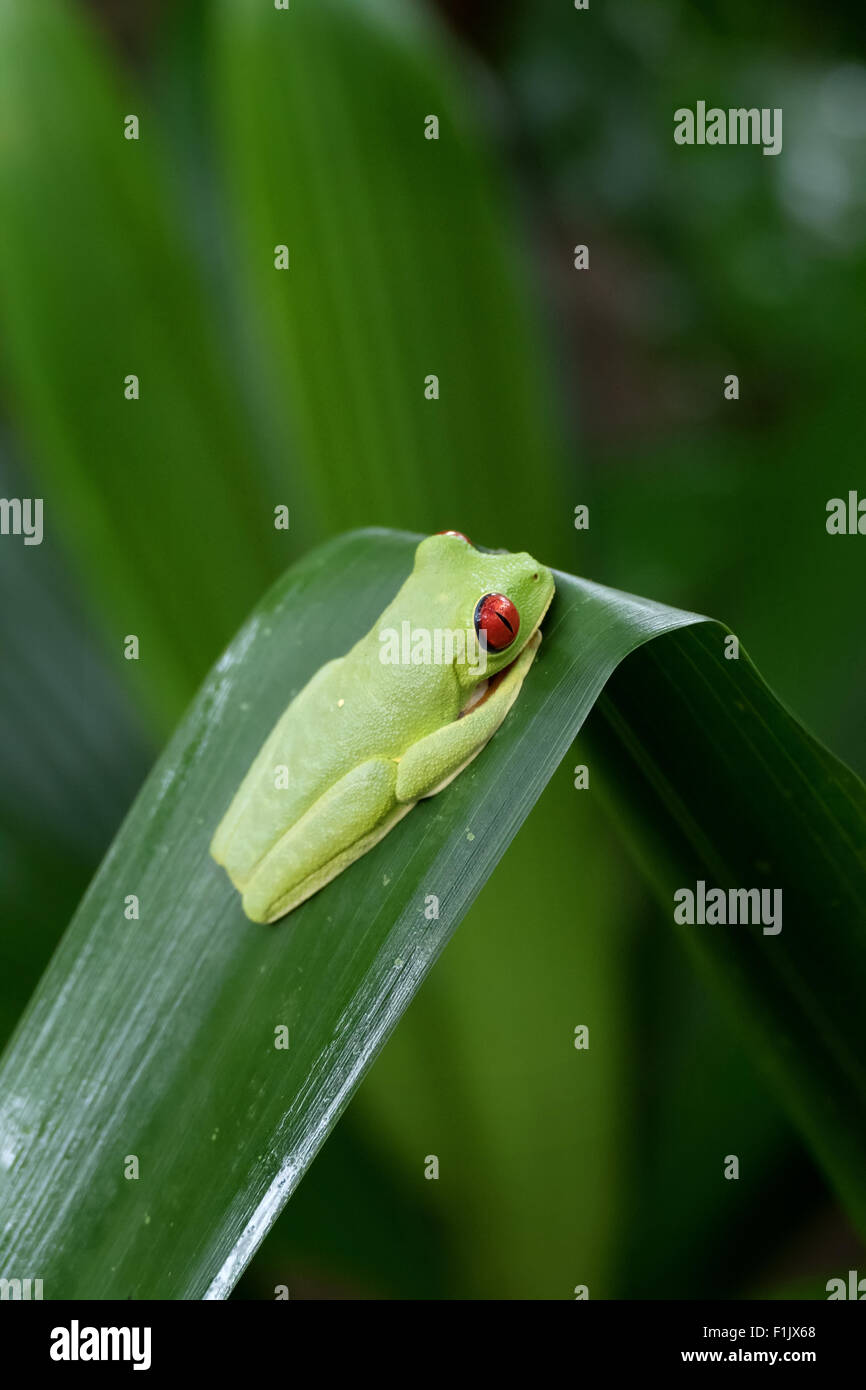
(363, 741)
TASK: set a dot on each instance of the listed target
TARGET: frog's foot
(343, 824)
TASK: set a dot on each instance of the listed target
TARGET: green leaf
(155, 1038)
(72, 755)
(742, 796)
(483, 1072)
(99, 280)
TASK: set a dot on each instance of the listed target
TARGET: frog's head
(500, 596)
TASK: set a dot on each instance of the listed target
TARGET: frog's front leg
(343, 824)
(432, 762)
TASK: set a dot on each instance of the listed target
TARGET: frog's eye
(455, 533)
(498, 619)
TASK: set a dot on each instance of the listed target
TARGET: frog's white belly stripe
(475, 698)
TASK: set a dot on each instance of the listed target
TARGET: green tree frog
(392, 721)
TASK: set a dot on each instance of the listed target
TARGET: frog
(388, 724)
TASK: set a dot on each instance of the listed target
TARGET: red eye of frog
(498, 619)
(455, 533)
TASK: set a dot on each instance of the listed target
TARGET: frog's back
(344, 716)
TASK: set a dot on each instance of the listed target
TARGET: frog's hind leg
(262, 767)
(343, 824)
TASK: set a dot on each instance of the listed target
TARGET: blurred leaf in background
(704, 262)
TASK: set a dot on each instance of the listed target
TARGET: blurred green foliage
(558, 387)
